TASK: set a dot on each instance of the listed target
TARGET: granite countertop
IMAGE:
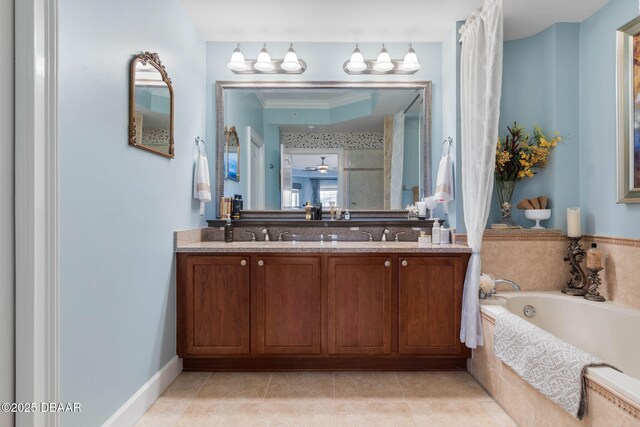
(353, 247)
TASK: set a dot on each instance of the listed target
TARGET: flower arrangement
(518, 156)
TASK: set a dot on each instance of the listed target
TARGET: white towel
(444, 181)
(201, 185)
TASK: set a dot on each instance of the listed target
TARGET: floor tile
(218, 413)
(300, 385)
(451, 414)
(354, 413)
(498, 414)
(235, 386)
(454, 385)
(163, 413)
(186, 385)
(367, 385)
(308, 413)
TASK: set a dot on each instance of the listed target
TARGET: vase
(505, 192)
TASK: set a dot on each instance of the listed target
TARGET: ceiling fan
(322, 167)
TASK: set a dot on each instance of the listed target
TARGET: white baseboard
(137, 405)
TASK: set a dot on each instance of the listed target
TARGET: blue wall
(540, 87)
(118, 204)
(601, 214)
(324, 62)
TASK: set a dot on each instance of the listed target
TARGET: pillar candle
(573, 222)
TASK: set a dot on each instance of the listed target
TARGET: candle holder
(578, 281)
(594, 283)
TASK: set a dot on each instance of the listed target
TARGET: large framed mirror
(150, 105)
(364, 146)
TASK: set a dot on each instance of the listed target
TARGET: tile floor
(325, 399)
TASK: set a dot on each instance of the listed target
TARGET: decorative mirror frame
(228, 134)
(423, 86)
(154, 60)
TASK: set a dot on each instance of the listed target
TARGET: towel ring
(198, 141)
(448, 140)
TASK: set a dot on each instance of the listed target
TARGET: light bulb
(291, 62)
(237, 60)
(383, 64)
(410, 62)
(356, 63)
(263, 63)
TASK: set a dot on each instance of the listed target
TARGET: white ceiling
(369, 20)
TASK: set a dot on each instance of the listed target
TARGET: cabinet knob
(404, 263)
(387, 264)
(243, 262)
(260, 263)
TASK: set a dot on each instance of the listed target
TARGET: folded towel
(444, 180)
(201, 185)
(552, 366)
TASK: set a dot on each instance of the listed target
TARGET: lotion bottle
(594, 257)
(435, 232)
(228, 230)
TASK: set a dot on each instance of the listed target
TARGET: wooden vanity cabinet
(288, 299)
(213, 305)
(320, 311)
(359, 304)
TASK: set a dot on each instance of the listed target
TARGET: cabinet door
(289, 297)
(215, 305)
(430, 301)
(359, 305)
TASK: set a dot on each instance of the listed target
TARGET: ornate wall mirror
(150, 106)
(364, 146)
(232, 154)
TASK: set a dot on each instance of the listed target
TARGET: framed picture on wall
(628, 111)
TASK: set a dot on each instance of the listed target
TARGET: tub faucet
(513, 284)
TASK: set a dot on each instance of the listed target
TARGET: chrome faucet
(384, 235)
(369, 234)
(253, 235)
(284, 233)
(513, 284)
(397, 234)
(266, 234)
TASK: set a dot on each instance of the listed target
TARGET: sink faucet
(284, 233)
(397, 234)
(253, 235)
(266, 234)
(369, 234)
(384, 235)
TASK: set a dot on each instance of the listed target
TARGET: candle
(573, 222)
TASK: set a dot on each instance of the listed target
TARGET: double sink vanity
(308, 304)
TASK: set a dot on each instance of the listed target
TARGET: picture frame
(628, 112)
(232, 155)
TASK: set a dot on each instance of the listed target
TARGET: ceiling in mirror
(289, 132)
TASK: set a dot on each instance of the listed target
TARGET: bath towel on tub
(552, 366)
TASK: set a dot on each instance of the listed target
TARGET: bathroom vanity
(313, 306)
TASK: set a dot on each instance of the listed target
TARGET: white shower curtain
(397, 159)
(480, 88)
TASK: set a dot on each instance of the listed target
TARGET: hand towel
(444, 181)
(201, 184)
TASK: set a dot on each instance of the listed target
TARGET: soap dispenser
(228, 230)
(435, 232)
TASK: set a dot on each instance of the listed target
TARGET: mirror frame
(423, 86)
(229, 133)
(154, 60)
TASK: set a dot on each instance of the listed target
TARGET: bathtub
(607, 330)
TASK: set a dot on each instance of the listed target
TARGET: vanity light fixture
(265, 65)
(237, 62)
(410, 62)
(356, 64)
(383, 64)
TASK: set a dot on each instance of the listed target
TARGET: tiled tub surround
(534, 259)
(606, 406)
